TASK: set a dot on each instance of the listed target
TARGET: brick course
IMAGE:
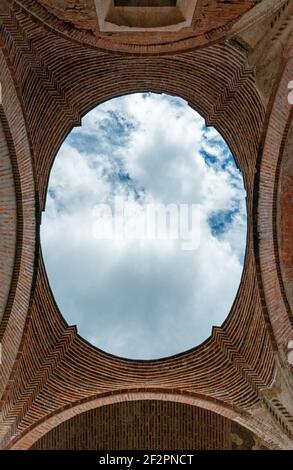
(50, 375)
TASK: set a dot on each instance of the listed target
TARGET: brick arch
(199, 83)
(22, 231)
(284, 217)
(60, 80)
(211, 414)
(208, 26)
(215, 411)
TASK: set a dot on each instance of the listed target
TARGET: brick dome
(54, 69)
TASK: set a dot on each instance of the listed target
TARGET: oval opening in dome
(144, 232)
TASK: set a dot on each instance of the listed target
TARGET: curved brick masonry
(51, 75)
(7, 222)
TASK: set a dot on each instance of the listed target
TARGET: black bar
(143, 459)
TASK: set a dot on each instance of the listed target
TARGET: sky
(144, 298)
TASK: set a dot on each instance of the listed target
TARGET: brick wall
(50, 373)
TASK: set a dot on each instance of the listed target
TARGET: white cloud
(144, 300)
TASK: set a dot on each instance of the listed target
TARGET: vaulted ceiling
(233, 64)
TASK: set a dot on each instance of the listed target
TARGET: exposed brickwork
(74, 18)
(16, 311)
(8, 221)
(50, 375)
(72, 80)
(141, 425)
(280, 118)
(242, 439)
(285, 217)
(79, 13)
